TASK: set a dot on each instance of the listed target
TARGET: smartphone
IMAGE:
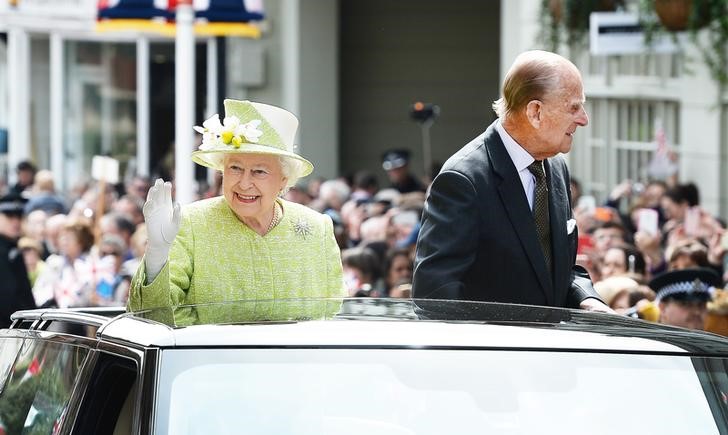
(647, 221)
(692, 221)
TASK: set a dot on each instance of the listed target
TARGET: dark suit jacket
(15, 291)
(478, 238)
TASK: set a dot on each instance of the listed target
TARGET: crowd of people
(639, 243)
(79, 249)
(75, 258)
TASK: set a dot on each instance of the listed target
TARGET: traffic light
(424, 112)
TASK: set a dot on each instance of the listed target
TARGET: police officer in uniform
(396, 163)
(15, 291)
(683, 295)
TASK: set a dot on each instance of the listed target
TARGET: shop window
(101, 104)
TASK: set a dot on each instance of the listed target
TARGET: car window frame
(95, 346)
(117, 351)
(63, 340)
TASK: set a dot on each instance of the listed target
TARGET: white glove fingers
(169, 232)
(167, 194)
(154, 190)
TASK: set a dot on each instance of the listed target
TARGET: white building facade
(628, 96)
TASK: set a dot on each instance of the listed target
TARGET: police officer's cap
(12, 204)
(685, 284)
(394, 159)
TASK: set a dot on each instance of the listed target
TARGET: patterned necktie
(541, 210)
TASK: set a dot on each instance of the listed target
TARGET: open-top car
(377, 366)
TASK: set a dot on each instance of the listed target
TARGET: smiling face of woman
(251, 184)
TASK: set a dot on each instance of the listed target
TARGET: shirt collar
(521, 158)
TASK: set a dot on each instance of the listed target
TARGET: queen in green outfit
(247, 245)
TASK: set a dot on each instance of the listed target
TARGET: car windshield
(424, 391)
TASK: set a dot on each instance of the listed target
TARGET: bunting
(212, 17)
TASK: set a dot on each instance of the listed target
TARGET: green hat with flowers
(249, 128)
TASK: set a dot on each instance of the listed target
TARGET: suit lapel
(558, 212)
(515, 203)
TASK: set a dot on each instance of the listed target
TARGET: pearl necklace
(277, 216)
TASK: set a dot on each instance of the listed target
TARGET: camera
(423, 112)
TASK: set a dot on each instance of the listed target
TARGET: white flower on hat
(250, 130)
(231, 132)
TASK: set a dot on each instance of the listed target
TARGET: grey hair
(292, 170)
(334, 190)
(533, 75)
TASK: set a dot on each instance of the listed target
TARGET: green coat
(217, 258)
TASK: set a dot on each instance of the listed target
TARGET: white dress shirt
(521, 159)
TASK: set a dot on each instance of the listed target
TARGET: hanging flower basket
(675, 15)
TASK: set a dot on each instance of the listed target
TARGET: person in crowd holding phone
(249, 243)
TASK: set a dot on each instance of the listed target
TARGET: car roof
(397, 323)
(364, 322)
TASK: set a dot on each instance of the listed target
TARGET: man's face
(613, 263)
(672, 209)
(605, 238)
(653, 194)
(397, 175)
(10, 225)
(25, 177)
(562, 112)
(686, 314)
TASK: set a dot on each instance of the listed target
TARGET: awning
(212, 17)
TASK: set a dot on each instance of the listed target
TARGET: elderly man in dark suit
(497, 224)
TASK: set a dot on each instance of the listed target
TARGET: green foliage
(568, 20)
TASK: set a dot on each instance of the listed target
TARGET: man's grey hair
(533, 75)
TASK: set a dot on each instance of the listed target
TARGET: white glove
(162, 220)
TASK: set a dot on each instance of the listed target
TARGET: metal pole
(212, 85)
(185, 102)
(57, 110)
(426, 148)
(290, 29)
(143, 106)
(19, 99)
